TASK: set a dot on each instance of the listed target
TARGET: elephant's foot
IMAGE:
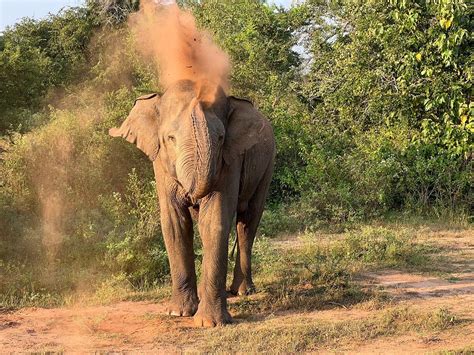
(242, 287)
(211, 316)
(182, 305)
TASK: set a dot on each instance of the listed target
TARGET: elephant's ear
(141, 126)
(244, 125)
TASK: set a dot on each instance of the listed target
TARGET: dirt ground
(143, 327)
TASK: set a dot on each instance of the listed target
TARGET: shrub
(135, 246)
(332, 265)
(389, 96)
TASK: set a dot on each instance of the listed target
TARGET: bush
(70, 207)
(389, 97)
(135, 246)
(37, 56)
(382, 246)
(332, 265)
(432, 176)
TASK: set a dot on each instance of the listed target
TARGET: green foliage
(333, 265)
(113, 12)
(135, 247)
(385, 247)
(37, 56)
(263, 61)
(71, 205)
(389, 93)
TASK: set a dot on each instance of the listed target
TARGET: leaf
(418, 57)
(448, 23)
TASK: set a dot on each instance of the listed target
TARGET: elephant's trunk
(205, 154)
(199, 158)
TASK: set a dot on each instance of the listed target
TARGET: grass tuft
(309, 333)
(321, 273)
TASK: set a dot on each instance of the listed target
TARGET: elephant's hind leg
(242, 283)
(247, 223)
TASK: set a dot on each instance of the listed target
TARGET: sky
(11, 11)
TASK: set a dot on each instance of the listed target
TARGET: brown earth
(143, 327)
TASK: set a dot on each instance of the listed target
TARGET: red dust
(169, 35)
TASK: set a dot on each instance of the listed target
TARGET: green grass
(293, 334)
(322, 270)
(299, 217)
(319, 272)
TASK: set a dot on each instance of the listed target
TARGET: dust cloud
(58, 161)
(52, 197)
(169, 36)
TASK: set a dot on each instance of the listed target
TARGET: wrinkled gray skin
(211, 162)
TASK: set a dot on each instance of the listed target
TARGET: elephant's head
(192, 139)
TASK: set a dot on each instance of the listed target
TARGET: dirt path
(122, 326)
(142, 327)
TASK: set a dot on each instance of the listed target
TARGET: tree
(37, 55)
(401, 70)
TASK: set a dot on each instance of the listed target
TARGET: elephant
(213, 162)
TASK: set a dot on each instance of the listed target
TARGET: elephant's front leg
(215, 217)
(177, 231)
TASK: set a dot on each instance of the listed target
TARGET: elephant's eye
(171, 138)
